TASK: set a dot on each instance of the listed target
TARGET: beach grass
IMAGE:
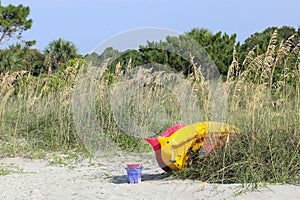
(265, 107)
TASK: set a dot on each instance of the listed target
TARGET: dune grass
(266, 150)
(266, 107)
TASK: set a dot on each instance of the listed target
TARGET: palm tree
(61, 51)
(13, 58)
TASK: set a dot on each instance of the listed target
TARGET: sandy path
(106, 179)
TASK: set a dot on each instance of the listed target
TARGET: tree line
(221, 47)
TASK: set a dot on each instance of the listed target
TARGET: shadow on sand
(145, 177)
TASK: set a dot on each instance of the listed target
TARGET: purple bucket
(134, 174)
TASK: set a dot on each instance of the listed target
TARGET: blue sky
(88, 23)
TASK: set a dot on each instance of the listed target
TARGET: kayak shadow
(145, 177)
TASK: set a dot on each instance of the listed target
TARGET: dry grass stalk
(249, 58)
(118, 70)
(284, 49)
(7, 85)
(269, 60)
(234, 67)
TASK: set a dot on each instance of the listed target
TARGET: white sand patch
(106, 178)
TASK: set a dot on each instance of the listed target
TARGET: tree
(13, 21)
(260, 40)
(61, 51)
(34, 62)
(108, 55)
(169, 53)
(93, 59)
(219, 46)
(20, 57)
(179, 53)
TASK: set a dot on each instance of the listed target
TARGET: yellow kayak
(176, 149)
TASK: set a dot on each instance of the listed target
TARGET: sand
(106, 178)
